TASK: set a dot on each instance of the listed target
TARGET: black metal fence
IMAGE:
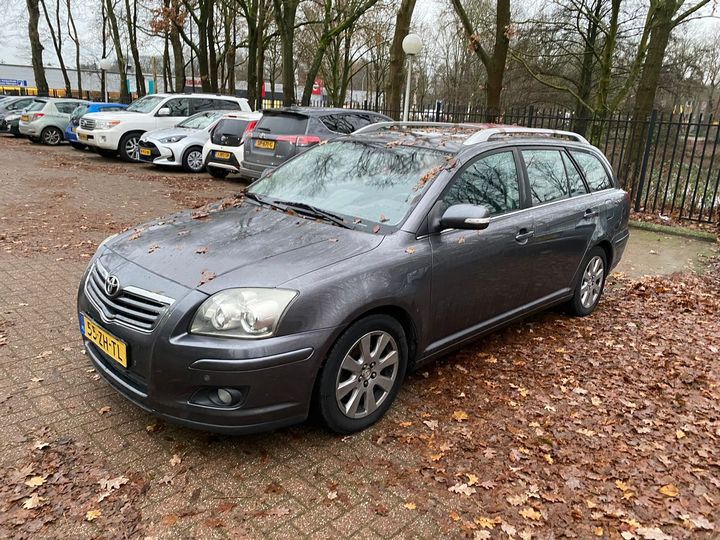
(676, 173)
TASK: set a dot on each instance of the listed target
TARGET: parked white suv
(118, 132)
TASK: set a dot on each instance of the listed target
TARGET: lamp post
(105, 64)
(412, 45)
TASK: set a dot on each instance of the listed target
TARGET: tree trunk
(122, 67)
(167, 74)
(396, 69)
(36, 47)
(131, 20)
(211, 48)
(231, 54)
(57, 43)
(72, 32)
(606, 65)
(285, 14)
(252, 41)
(177, 50)
(583, 113)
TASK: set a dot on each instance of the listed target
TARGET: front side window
(360, 180)
(490, 181)
(178, 106)
(145, 104)
(595, 174)
(546, 175)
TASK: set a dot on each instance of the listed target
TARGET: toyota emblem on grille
(112, 285)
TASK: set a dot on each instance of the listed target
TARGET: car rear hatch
(277, 137)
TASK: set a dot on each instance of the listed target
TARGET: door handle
(590, 213)
(523, 235)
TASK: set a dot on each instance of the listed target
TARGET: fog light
(224, 396)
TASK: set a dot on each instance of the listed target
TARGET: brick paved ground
(55, 206)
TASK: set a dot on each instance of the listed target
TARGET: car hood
(109, 115)
(170, 132)
(245, 245)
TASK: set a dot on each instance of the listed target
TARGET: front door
(479, 276)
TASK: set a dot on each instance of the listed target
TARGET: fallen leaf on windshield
(206, 276)
(376, 229)
(383, 219)
(201, 250)
(332, 239)
(153, 248)
(410, 250)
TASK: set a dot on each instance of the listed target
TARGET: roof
(318, 111)
(453, 137)
(197, 94)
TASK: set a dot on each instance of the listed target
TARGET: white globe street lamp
(105, 64)
(412, 45)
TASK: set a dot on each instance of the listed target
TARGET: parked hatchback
(349, 265)
(223, 152)
(79, 112)
(45, 121)
(284, 133)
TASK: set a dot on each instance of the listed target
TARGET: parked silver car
(182, 144)
(45, 120)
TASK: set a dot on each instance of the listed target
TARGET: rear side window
(282, 124)
(20, 104)
(227, 104)
(178, 106)
(36, 106)
(577, 186)
(491, 181)
(229, 131)
(347, 123)
(595, 174)
(546, 175)
(66, 107)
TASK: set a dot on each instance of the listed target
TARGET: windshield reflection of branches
(490, 182)
(546, 175)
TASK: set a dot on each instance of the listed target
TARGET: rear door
(565, 217)
(276, 138)
(479, 276)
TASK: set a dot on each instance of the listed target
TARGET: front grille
(87, 123)
(131, 306)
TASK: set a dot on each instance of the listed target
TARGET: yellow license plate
(82, 137)
(74, 130)
(222, 155)
(145, 152)
(109, 344)
(261, 143)
(24, 117)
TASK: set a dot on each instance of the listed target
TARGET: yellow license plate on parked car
(74, 130)
(106, 342)
(82, 137)
(261, 143)
(222, 155)
(145, 152)
(24, 117)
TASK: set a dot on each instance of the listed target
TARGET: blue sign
(13, 82)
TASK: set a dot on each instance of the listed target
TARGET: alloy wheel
(592, 282)
(51, 137)
(194, 160)
(132, 148)
(367, 374)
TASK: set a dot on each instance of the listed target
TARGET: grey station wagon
(354, 262)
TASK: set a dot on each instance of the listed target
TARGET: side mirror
(465, 216)
(164, 111)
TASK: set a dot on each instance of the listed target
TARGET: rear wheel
(51, 136)
(192, 160)
(129, 148)
(363, 374)
(591, 284)
(218, 173)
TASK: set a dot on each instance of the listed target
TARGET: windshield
(35, 106)
(200, 120)
(145, 104)
(366, 180)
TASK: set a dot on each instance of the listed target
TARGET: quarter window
(491, 181)
(595, 174)
(577, 186)
(546, 175)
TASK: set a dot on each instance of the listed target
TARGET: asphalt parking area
(604, 426)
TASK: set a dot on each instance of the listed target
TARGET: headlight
(174, 138)
(242, 313)
(106, 124)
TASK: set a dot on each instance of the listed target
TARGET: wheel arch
(606, 246)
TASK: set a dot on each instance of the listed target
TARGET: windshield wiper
(314, 211)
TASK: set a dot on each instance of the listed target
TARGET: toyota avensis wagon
(347, 266)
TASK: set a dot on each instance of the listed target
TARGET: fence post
(646, 155)
(530, 115)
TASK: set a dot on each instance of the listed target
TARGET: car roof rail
(494, 133)
(379, 126)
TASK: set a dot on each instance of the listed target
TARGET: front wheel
(591, 284)
(51, 136)
(363, 374)
(192, 160)
(129, 148)
(218, 173)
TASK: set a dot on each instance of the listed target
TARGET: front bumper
(107, 139)
(168, 368)
(161, 154)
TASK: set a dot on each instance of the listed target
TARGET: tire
(51, 136)
(218, 173)
(78, 146)
(106, 153)
(360, 348)
(590, 284)
(129, 149)
(192, 160)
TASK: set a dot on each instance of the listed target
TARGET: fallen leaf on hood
(201, 250)
(376, 229)
(206, 276)
(153, 248)
(410, 250)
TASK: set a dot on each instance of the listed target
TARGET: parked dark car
(351, 264)
(10, 111)
(283, 133)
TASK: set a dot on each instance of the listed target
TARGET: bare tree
(36, 47)
(397, 56)
(72, 32)
(56, 35)
(285, 15)
(131, 20)
(117, 44)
